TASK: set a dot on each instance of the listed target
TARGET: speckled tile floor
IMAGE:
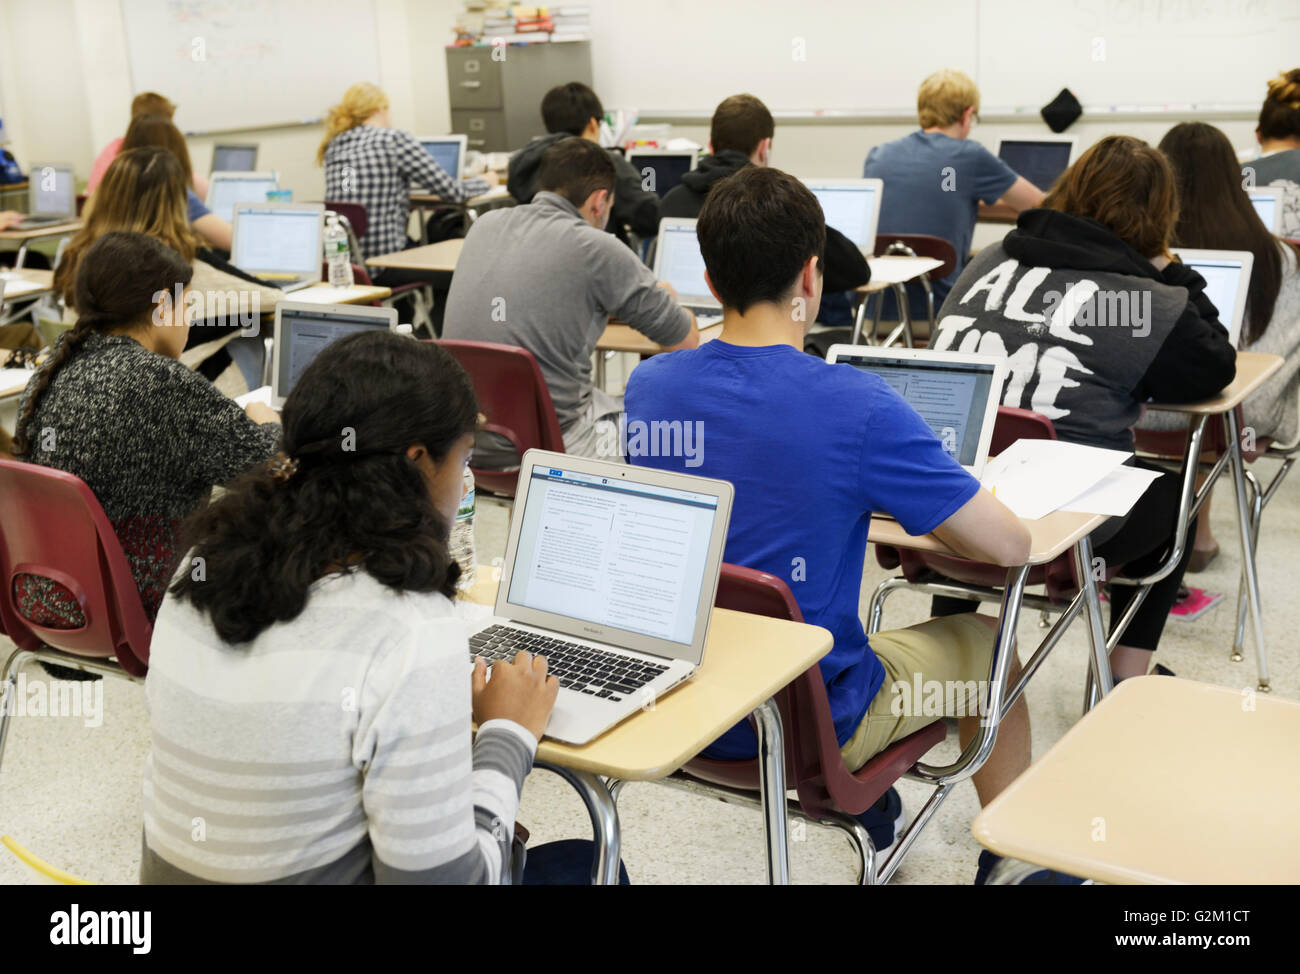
(71, 793)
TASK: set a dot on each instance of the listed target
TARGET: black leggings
(1140, 545)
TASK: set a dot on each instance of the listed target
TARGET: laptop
(226, 189)
(679, 262)
(51, 196)
(302, 330)
(1041, 160)
(956, 393)
(227, 157)
(1269, 202)
(279, 243)
(448, 151)
(1227, 281)
(852, 206)
(610, 572)
(666, 167)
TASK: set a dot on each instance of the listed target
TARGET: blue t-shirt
(933, 184)
(195, 205)
(812, 449)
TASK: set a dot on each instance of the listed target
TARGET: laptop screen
(305, 333)
(1265, 204)
(234, 158)
(1041, 162)
(851, 210)
(613, 552)
(952, 397)
(680, 262)
(227, 192)
(278, 239)
(666, 171)
(446, 154)
(53, 192)
(1222, 279)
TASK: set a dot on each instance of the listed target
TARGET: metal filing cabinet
(498, 103)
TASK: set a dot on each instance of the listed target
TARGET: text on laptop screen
(227, 193)
(849, 209)
(667, 170)
(280, 240)
(614, 552)
(1222, 278)
(53, 191)
(1039, 162)
(681, 264)
(446, 155)
(1265, 205)
(234, 158)
(950, 396)
(306, 333)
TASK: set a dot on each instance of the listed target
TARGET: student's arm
(418, 168)
(225, 441)
(845, 267)
(635, 207)
(1023, 195)
(215, 231)
(1196, 359)
(10, 218)
(1001, 192)
(201, 186)
(627, 290)
(984, 529)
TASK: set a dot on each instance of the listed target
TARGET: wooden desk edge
(1236, 394)
(1086, 524)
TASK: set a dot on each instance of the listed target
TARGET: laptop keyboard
(584, 669)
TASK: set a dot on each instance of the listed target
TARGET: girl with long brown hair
(158, 130)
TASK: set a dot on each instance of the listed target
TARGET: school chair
(830, 793)
(354, 219)
(912, 245)
(513, 395)
(81, 203)
(51, 525)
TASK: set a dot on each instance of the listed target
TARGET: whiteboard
(240, 64)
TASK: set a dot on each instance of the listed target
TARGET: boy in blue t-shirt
(812, 449)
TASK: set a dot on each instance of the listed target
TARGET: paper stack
(1036, 477)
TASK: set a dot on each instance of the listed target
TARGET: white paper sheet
(1036, 477)
(261, 394)
(1115, 494)
(896, 270)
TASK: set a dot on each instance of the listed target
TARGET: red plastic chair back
(52, 525)
(354, 213)
(923, 245)
(512, 394)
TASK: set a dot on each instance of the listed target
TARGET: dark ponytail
(344, 495)
(118, 281)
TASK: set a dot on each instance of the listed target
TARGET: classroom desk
(497, 196)
(891, 272)
(1192, 783)
(22, 286)
(437, 257)
(747, 659)
(25, 237)
(324, 293)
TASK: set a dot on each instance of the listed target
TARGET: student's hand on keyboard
(520, 690)
(668, 287)
(9, 219)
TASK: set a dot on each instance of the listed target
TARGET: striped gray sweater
(334, 748)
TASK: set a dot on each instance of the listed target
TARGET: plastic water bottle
(462, 534)
(337, 253)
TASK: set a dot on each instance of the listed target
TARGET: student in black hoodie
(740, 135)
(1095, 318)
(574, 110)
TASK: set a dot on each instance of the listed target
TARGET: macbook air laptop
(302, 330)
(679, 262)
(448, 151)
(51, 196)
(956, 393)
(610, 572)
(852, 206)
(234, 158)
(1227, 281)
(279, 243)
(1269, 203)
(666, 167)
(1041, 160)
(227, 189)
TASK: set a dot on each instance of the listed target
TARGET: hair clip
(283, 467)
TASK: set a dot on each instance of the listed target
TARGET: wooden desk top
(747, 659)
(1049, 536)
(323, 293)
(440, 256)
(1192, 783)
(497, 194)
(625, 338)
(18, 284)
(33, 233)
(13, 381)
(1253, 369)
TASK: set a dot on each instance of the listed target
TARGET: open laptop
(1227, 282)
(1040, 159)
(666, 166)
(610, 572)
(448, 151)
(1269, 202)
(279, 243)
(51, 196)
(227, 157)
(302, 330)
(679, 262)
(851, 206)
(227, 189)
(956, 393)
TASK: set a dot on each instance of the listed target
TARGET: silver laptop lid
(279, 239)
(448, 151)
(851, 206)
(226, 190)
(1268, 202)
(679, 262)
(624, 555)
(52, 190)
(1227, 282)
(662, 169)
(302, 330)
(1040, 159)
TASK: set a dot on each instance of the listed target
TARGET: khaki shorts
(950, 655)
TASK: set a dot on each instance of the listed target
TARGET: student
(1278, 133)
(113, 406)
(780, 422)
(158, 130)
(936, 177)
(321, 660)
(574, 110)
(1095, 318)
(546, 277)
(1214, 214)
(145, 103)
(740, 135)
(368, 161)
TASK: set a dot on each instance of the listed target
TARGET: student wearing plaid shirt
(368, 161)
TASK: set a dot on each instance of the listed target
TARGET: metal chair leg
(883, 591)
(1248, 565)
(8, 688)
(1256, 512)
(860, 839)
(604, 820)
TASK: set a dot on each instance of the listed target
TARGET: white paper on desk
(1036, 477)
(14, 380)
(16, 287)
(896, 270)
(1115, 494)
(328, 295)
(493, 193)
(261, 394)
